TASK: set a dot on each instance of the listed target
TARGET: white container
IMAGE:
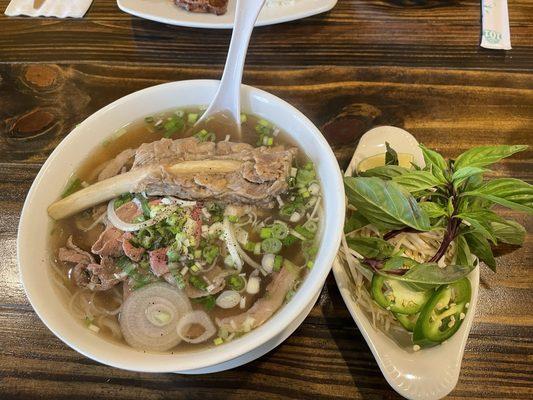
(427, 374)
(35, 226)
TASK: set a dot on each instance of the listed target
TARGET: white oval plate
(167, 12)
(426, 374)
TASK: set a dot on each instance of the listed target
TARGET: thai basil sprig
(453, 195)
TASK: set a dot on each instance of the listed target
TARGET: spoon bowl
(429, 373)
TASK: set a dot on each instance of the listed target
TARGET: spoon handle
(227, 98)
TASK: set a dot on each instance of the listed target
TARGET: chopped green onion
(311, 226)
(233, 219)
(122, 199)
(278, 262)
(144, 205)
(205, 136)
(173, 254)
(197, 282)
(207, 301)
(271, 245)
(195, 268)
(149, 120)
(72, 187)
(249, 246)
(180, 282)
(309, 264)
(289, 240)
(280, 230)
(218, 341)
(265, 233)
(236, 282)
(244, 118)
(264, 122)
(210, 253)
(304, 232)
(192, 118)
(257, 249)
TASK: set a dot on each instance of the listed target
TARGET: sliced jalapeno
(443, 314)
(407, 321)
(397, 297)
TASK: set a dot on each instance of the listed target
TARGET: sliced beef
(110, 241)
(116, 165)
(266, 306)
(97, 277)
(73, 254)
(159, 261)
(217, 7)
(132, 252)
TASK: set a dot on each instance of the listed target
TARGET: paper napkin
(49, 8)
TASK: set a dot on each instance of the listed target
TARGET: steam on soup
(210, 239)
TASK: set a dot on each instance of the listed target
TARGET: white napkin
(495, 21)
(50, 8)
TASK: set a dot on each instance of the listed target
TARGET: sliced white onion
(295, 217)
(268, 262)
(128, 227)
(228, 232)
(150, 315)
(253, 285)
(195, 318)
(228, 299)
(314, 188)
(216, 229)
(231, 244)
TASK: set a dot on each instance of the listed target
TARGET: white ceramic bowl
(35, 226)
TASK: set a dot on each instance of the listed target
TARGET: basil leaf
(371, 247)
(463, 257)
(384, 172)
(391, 157)
(509, 231)
(461, 175)
(430, 273)
(435, 162)
(417, 180)
(433, 158)
(433, 210)
(481, 248)
(384, 204)
(481, 220)
(355, 221)
(508, 192)
(486, 155)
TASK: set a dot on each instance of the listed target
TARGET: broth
(292, 224)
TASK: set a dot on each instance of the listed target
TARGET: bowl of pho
(143, 241)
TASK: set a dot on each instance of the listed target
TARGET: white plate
(427, 374)
(167, 12)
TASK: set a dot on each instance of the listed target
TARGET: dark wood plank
(357, 32)
(449, 110)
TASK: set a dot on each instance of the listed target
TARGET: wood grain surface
(366, 63)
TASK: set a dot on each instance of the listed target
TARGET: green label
(492, 36)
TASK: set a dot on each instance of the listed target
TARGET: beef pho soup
(169, 242)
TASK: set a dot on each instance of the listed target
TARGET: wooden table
(414, 64)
